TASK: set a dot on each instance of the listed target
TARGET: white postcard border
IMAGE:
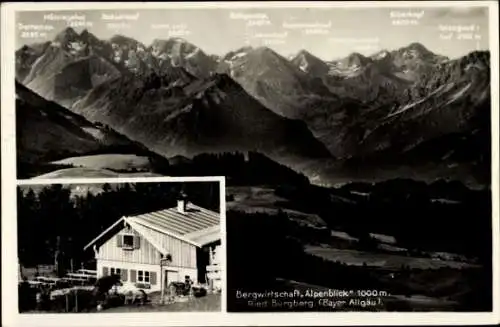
(11, 317)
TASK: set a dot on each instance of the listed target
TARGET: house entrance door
(170, 276)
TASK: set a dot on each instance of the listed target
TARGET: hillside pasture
(91, 173)
(250, 199)
(381, 260)
(114, 162)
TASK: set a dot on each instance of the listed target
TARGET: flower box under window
(143, 285)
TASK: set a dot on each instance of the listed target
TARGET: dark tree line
(240, 169)
(52, 222)
(262, 247)
(441, 216)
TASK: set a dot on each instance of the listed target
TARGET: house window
(143, 276)
(128, 241)
(116, 271)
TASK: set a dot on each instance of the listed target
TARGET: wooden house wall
(183, 254)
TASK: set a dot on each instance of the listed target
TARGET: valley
(361, 237)
(406, 112)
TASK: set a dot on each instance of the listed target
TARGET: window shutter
(152, 277)
(119, 241)
(124, 275)
(137, 242)
(105, 271)
(133, 275)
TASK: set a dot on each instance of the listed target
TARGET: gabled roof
(109, 229)
(205, 236)
(197, 226)
(148, 235)
(171, 221)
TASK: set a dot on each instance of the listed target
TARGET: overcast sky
(328, 33)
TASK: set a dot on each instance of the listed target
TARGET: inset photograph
(119, 247)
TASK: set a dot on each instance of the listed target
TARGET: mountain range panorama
(310, 114)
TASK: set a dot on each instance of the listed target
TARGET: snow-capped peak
(303, 66)
(194, 53)
(382, 54)
(238, 55)
(76, 46)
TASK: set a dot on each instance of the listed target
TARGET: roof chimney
(182, 203)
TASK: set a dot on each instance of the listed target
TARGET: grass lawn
(210, 302)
